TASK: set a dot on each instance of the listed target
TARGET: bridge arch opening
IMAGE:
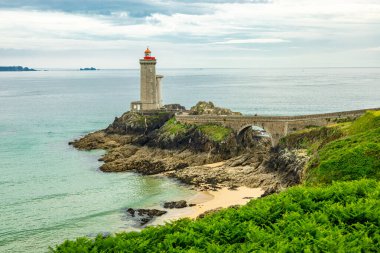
(249, 135)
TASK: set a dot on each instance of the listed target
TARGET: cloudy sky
(184, 33)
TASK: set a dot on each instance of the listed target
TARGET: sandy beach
(209, 200)
(222, 198)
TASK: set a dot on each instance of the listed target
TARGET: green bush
(342, 217)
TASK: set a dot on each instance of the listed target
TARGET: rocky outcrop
(102, 140)
(192, 139)
(138, 123)
(155, 143)
(270, 169)
(174, 107)
(15, 68)
(203, 107)
(209, 212)
(175, 204)
(149, 161)
(145, 215)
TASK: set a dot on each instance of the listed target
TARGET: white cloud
(328, 24)
(373, 49)
(253, 41)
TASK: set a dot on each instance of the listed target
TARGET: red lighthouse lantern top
(148, 55)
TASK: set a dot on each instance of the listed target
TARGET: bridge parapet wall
(276, 126)
(276, 118)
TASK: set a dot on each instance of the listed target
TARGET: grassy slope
(174, 127)
(341, 217)
(215, 132)
(353, 156)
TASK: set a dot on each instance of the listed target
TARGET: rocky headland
(206, 157)
(15, 68)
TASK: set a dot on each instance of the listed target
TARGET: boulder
(203, 107)
(212, 211)
(174, 107)
(175, 204)
(145, 215)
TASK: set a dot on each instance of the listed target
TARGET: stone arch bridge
(276, 126)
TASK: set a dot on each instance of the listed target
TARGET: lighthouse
(150, 85)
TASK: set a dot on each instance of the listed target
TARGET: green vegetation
(350, 158)
(212, 131)
(174, 127)
(355, 155)
(371, 120)
(150, 120)
(215, 132)
(340, 152)
(343, 217)
(313, 138)
(323, 215)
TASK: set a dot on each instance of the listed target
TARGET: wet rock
(190, 205)
(145, 215)
(175, 204)
(131, 211)
(147, 167)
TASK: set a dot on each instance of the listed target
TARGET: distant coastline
(87, 69)
(15, 68)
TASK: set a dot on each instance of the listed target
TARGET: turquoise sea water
(50, 191)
